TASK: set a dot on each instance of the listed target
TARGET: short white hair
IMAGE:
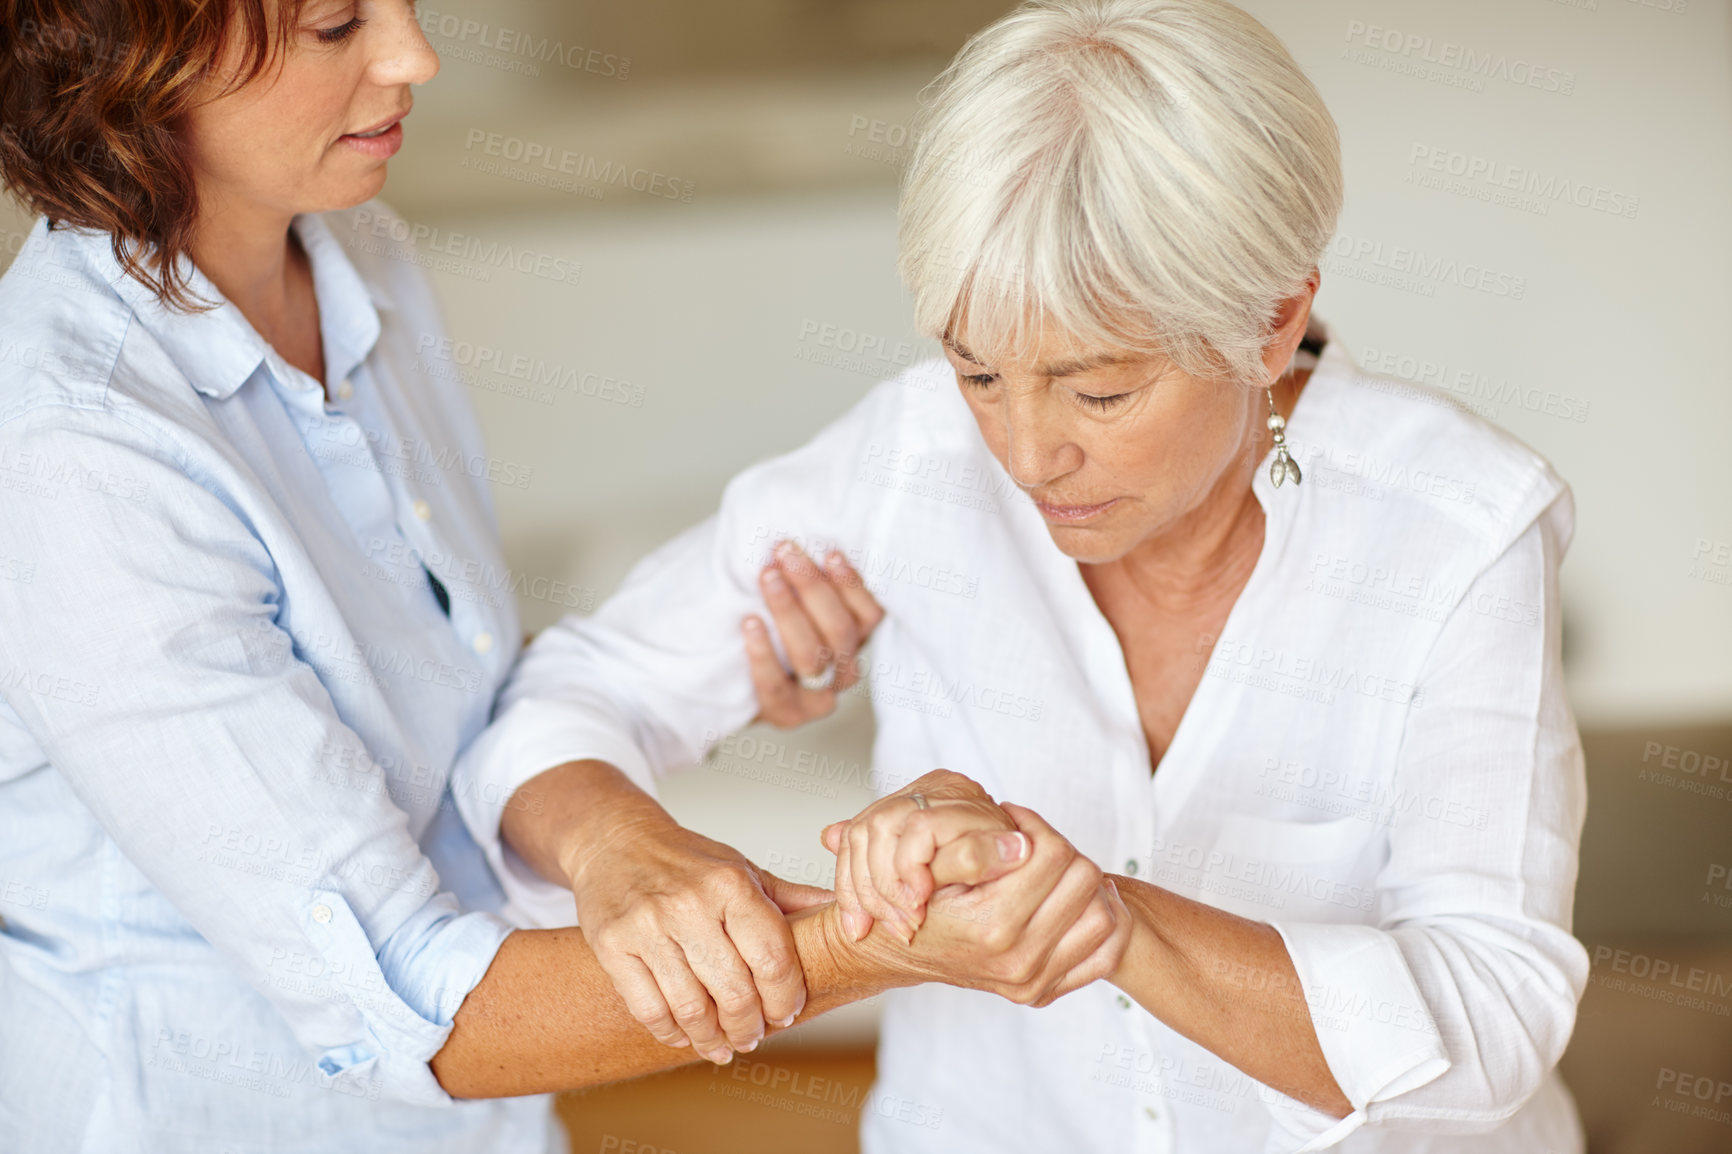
(1139, 175)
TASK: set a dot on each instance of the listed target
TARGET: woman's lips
(1073, 514)
(380, 143)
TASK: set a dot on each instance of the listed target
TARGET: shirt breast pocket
(1321, 870)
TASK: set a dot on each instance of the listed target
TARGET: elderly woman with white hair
(1277, 649)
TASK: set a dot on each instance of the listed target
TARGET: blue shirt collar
(218, 349)
(348, 302)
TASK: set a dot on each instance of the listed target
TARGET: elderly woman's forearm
(1228, 984)
(546, 1017)
(559, 810)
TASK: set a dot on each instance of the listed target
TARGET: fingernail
(682, 1043)
(753, 625)
(789, 1020)
(851, 922)
(773, 578)
(721, 1056)
(1012, 846)
(750, 1046)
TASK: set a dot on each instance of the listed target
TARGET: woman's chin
(1090, 545)
(351, 193)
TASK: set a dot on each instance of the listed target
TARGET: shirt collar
(218, 349)
(348, 303)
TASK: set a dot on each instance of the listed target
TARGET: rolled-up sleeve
(146, 660)
(1449, 1011)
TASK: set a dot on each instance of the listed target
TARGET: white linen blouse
(1379, 761)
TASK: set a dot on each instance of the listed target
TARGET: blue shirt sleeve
(145, 658)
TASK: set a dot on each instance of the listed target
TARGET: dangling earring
(1283, 467)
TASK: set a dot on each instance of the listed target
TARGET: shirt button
(1124, 1002)
(1154, 1114)
(423, 510)
(483, 642)
(1131, 867)
(322, 914)
(345, 391)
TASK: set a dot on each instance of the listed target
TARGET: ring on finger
(919, 800)
(820, 681)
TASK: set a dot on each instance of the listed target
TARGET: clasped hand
(963, 892)
(969, 893)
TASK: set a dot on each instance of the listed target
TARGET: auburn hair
(91, 95)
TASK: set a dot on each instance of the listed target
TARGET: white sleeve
(659, 674)
(1448, 1013)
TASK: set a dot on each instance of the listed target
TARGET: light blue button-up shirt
(239, 906)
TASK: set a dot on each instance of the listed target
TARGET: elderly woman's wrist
(854, 969)
(1145, 942)
(594, 806)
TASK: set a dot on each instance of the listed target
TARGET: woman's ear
(1292, 318)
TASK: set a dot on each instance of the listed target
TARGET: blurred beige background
(729, 193)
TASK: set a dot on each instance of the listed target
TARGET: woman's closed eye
(340, 32)
(979, 380)
(1101, 403)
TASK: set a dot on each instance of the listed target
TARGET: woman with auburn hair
(250, 652)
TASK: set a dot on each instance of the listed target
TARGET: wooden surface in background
(774, 1102)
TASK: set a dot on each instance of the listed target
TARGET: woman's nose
(404, 55)
(1036, 452)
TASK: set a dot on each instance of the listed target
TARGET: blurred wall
(764, 140)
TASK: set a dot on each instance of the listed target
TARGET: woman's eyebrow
(1082, 365)
(961, 352)
(1068, 368)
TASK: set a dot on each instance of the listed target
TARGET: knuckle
(731, 879)
(947, 780)
(886, 822)
(613, 940)
(690, 1012)
(776, 968)
(969, 855)
(736, 1002)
